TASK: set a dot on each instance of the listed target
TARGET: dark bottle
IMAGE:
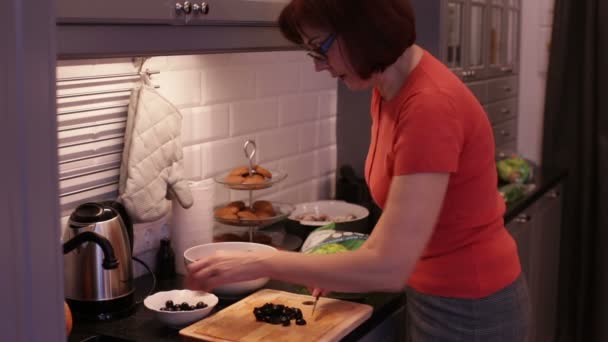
(165, 260)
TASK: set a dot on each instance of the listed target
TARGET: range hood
(118, 28)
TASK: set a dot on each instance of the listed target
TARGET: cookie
(229, 217)
(221, 212)
(262, 171)
(234, 179)
(247, 214)
(263, 214)
(263, 206)
(240, 171)
(239, 205)
(254, 179)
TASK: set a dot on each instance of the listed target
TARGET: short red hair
(374, 32)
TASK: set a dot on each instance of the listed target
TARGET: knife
(314, 305)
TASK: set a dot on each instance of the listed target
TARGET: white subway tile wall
(274, 98)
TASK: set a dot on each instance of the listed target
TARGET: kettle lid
(91, 213)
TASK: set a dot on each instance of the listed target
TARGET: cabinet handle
(507, 88)
(203, 8)
(505, 133)
(186, 7)
(505, 110)
(522, 218)
(506, 69)
(178, 8)
(553, 194)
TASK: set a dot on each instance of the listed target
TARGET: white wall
(536, 34)
(275, 98)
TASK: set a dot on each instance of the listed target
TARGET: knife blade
(314, 305)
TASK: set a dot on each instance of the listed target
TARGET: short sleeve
(429, 136)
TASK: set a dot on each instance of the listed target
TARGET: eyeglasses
(319, 54)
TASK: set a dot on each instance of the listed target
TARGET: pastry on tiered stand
(254, 214)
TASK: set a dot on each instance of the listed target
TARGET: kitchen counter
(543, 181)
(142, 326)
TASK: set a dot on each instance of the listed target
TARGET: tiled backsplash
(274, 98)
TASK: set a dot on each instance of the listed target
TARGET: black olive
(201, 305)
(169, 303)
(278, 314)
(163, 309)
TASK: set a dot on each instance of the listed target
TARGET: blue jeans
(501, 317)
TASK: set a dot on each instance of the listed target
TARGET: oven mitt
(151, 171)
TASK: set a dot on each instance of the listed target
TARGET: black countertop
(142, 326)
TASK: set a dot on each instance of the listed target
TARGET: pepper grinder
(165, 260)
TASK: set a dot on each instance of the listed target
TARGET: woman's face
(336, 61)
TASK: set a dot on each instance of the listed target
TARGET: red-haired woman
(430, 167)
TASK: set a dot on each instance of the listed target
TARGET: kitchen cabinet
(479, 41)
(537, 232)
(116, 28)
(481, 37)
(179, 12)
(455, 28)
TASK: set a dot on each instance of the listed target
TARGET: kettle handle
(122, 212)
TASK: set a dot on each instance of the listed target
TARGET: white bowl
(180, 319)
(336, 211)
(234, 289)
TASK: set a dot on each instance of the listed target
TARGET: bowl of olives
(178, 308)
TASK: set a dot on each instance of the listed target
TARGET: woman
(430, 166)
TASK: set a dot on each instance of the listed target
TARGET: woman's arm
(383, 263)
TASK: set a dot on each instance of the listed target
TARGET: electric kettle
(98, 272)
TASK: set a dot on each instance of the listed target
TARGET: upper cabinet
(481, 37)
(477, 21)
(455, 37)
(119, 28)
(179, 12)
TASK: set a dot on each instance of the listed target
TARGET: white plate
(333, 209)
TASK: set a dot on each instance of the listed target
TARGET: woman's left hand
(224, 268)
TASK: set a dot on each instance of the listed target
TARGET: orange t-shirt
(436, 125)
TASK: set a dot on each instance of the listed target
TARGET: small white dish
(179, 319)
(233, 289)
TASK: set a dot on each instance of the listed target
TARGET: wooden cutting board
(333, 320)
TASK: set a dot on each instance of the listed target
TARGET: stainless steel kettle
(98, 271)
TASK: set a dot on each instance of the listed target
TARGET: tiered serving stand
(282, 210)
